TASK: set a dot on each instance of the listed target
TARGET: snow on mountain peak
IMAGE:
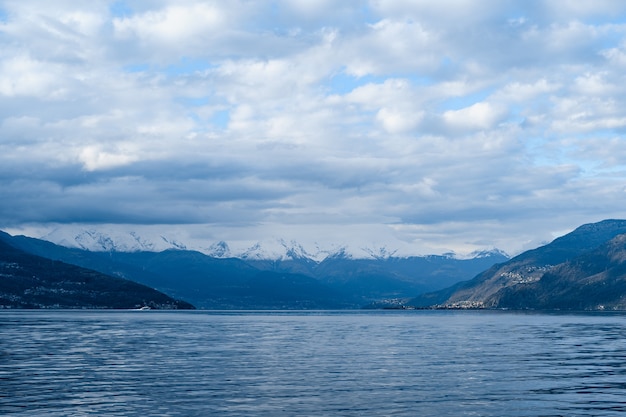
(340, 253)
(218, 250)
(279, 249)
(116, 239)
(488, 253)
(172, 243)
(380, 253)
(98, 241)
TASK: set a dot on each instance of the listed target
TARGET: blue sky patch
(136, 68)
(193, 101)
(343, 83)
(120, 9)
(221, 118)
(187, 66)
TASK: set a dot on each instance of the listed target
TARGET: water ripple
(311, 363)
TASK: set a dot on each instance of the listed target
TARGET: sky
(455, 125)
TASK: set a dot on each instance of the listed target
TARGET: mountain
(114, 238)
(207, 282)
(293, 281)
(29, 281)
(382, 279)
(227, 283)
(96, 240)
(582, 270)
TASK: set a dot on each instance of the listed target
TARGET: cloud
(94, 157)
(396, 120)
(456, 124)
(391, 46)
(184, 26)
(477, 116)
(24, 76)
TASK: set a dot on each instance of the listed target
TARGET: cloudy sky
(432, 126)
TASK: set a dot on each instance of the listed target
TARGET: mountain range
(582, 270)
(114, 239)
(290, 281)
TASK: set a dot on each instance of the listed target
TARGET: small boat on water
(144, 308)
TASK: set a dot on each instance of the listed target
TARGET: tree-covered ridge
(29, 281)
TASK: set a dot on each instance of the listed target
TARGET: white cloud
(477, 116)
(24, 76)
(172, 25)
(459, 124)
(392, 47)
(616, 56)
(398, 120)
(521, 92)
(95, 158)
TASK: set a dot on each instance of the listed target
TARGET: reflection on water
(370, 363)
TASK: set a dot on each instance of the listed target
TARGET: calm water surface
(355, 363)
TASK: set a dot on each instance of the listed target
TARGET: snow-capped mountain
(112, 239)
(277, 249)
(380, 253)
(98, 241)
(219, 250)
(488, 253)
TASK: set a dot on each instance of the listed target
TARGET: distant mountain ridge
(96, 240)
(584, 269)
(293, 281)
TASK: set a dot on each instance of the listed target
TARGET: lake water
(347, 363)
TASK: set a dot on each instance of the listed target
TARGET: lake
(311, 363)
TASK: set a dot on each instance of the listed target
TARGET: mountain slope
(552, 276)
(595, 280)
(230, 283)
(29, 281)
(399, 277)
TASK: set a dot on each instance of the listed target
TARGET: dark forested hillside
(29, 281)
